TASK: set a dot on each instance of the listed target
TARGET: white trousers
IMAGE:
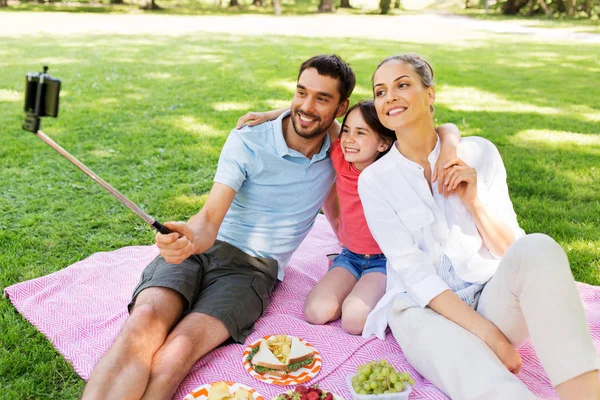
(532, 294)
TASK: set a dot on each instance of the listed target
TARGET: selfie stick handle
(157, 225)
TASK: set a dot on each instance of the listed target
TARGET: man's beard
(314, 132)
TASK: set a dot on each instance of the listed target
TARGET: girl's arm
(331, 209)
(255, 118)
(449, 137)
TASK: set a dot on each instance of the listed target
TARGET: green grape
(406, 376)
(366, 370)
(356, 387)
(355, 379)
(383, 362)
(410, 381)
(393, 377)
(399, 386)
(362, 378)
(362, 392)
(374, 385)
(378, 391)
(372, 376)
(385, 371)
(367, 385)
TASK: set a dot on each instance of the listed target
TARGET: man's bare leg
(123, 372)
(193, 337)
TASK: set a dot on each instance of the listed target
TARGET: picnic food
(280, 355)
(220, 391)
(377, 377)
(305, 393)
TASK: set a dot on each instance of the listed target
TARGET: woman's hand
(252, 118)
(506, 352)
(462, 180)
(447, 154)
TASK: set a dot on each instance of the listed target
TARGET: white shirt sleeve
(497, 198)
(415, 268)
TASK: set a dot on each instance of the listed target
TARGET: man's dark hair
(334, 67)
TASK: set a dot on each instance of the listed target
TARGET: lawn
(149, 113)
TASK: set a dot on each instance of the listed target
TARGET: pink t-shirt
(353, 230)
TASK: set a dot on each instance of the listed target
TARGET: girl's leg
(452, 358)
(324, 302)
(533, 293)
(361, 301)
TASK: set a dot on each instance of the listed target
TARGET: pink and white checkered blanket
(81, 309)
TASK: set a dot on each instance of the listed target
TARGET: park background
(149, 97)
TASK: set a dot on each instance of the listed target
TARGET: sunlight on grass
(194, 125)
(555, 137)
(287, 84)
(102, 153)
(10, 95)
(188, 201)
(158, 75)
(233, 106)
(108, 100)
(275, 104)
(474, 99)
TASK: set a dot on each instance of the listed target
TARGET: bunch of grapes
(378, 377)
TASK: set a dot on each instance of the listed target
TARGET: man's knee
(145, 319)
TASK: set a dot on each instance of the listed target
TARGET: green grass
(150, 114)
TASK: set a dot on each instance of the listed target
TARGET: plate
(302, 375)
(201, 392)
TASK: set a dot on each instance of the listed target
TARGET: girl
(465, 285)
(356, 280)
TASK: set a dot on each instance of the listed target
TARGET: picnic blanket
(81, 309)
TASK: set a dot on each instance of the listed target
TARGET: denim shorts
(359, 264)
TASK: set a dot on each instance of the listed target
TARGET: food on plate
(280, 355)
(307, 393)
(220, 391)
(377, 377)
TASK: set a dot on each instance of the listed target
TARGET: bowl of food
(302, 392)
(379, 380)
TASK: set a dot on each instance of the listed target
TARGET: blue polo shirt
(279, 191)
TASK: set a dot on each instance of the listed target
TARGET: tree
(326, 6)
(149, 5)
(345, 4)
(277, 7)
(234, 3)
(512, 7)
(384, 5)
(3, 3)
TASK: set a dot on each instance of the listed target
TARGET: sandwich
(220, 391)
(280, 355)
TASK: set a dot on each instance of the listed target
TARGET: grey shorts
(224, 282)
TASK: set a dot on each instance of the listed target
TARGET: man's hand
(178, 245)
(462, 180)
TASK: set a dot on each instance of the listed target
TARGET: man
(213, 277)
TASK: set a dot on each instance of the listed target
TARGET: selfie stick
(32, 123)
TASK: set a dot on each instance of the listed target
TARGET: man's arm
(331, 208)
(200, 232)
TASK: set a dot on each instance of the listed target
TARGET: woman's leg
(533, 293)
(324, 302)
(452, 358)
(361, 301)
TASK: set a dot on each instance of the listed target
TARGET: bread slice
(265, 358)
(299, 352)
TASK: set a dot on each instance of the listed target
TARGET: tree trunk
(570, 7)
(116, 1)
(234, 3)
(277, 7)
(345, 4)
(512, 7)
(384, 5)
(326, 6)
(397, 4)
(3, 3)
(545, 8)
(587, 7)
(258, 3)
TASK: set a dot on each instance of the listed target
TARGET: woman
(465, 285)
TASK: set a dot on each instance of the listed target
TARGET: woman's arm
(449, 305)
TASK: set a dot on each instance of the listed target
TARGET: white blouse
(418, 230)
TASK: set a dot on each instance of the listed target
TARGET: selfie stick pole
(157, 225)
